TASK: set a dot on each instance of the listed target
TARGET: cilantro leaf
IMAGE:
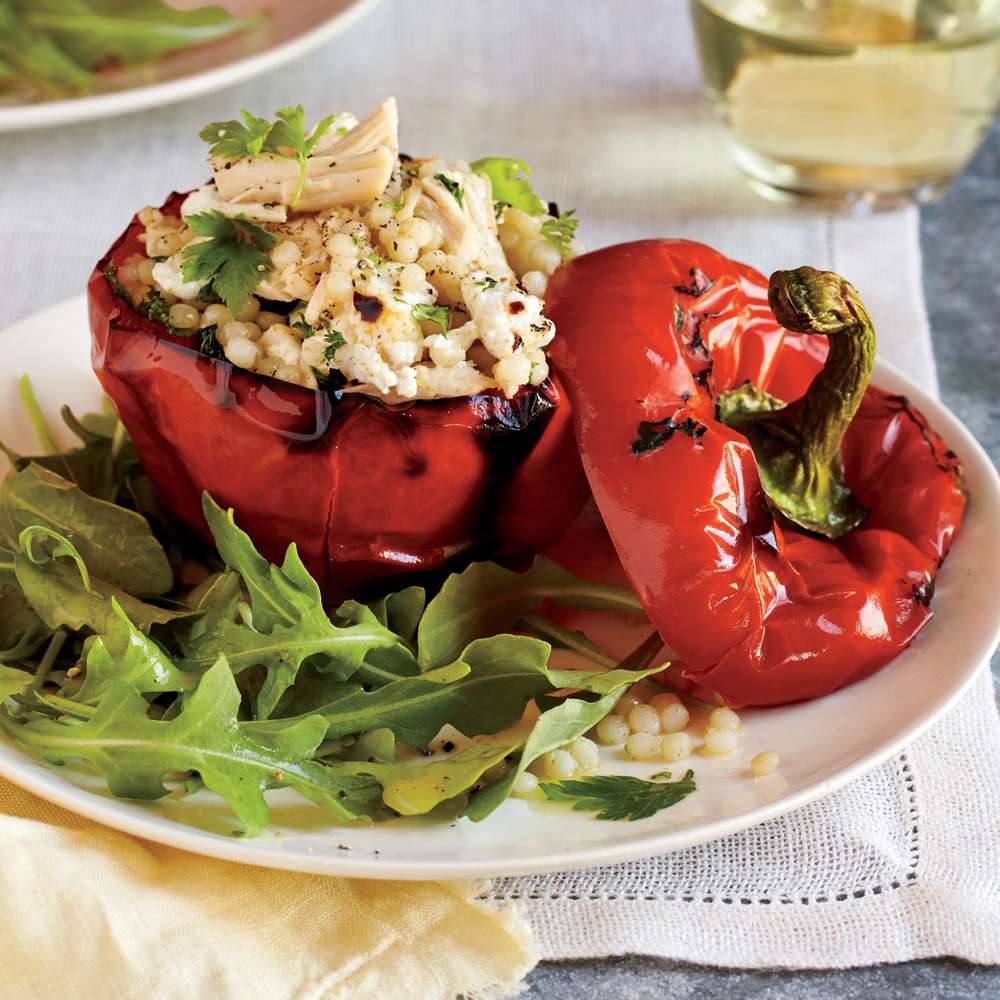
(334, 340)
(509, 179)
(287, 138)
(232, 257)
(560, 231)
(424, 312)
(134, 752)
(233, 139)
(615, 796)
(454, 188)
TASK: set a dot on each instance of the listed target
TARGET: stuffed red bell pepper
(781, 520)
(347, 346)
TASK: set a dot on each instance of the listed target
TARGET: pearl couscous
(395, 277)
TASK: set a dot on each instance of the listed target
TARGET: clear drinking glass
(852, 104)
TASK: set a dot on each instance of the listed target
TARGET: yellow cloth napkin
(89, 912)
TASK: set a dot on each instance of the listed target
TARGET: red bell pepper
(657, 339)
(367, 491)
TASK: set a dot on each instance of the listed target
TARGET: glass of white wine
(852, 105)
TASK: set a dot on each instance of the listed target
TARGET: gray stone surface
(962, 283)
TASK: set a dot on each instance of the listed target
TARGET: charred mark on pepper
(651, 435)
(680, 318)
(703, 376)
(923, 592)
(498, 414)
(369, 307)
(947, 461)
(700, 283)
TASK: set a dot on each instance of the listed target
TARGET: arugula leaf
(95, 467)
(94, 32)
(560, 231)
(116, 544)
(480, 694)
(377, 746)
(439, 315)
(382, 665)
(134, 752)
(232, 257)
(415, 789)
(487, 599)
(22, 632)
(234, 139)
(615, 796)
(34, 61)
(289, 623)
(287, 138)
(553, 728)
(453, 188)
(12, 680)
(401, 611)
(38, 422)
(509, 179)
(64, 595)
(124, 653)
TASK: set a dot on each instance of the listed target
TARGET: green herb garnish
(233, 139)
(454, 188)
(334, 339)
(232, 257)
(111, 273)
(285, 137)
(560, 231)
(288, 138)
(615, 796)
(488, 283)
(425, 312)
(509, 179)
(58, 47)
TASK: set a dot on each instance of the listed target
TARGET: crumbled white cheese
(169, 275)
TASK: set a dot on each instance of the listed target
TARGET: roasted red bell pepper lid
(662, 339)
(367, 491)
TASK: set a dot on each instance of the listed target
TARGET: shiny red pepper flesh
(367, 491)
(757, 611)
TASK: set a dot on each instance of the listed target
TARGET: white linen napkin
(604, 100)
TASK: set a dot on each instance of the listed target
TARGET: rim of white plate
(47, 114)
(130, 818)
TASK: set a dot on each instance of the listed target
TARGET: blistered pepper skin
(370, 493)
(756, 611)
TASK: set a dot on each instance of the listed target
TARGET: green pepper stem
(798, 445)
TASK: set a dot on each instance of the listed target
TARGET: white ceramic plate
(293, 28)
(823, 744)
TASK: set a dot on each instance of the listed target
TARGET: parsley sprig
(511, 186)
(425, 312)
(615, 796)
(232, 257)
(285, 137)
(560, 231)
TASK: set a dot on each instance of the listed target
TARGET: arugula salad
(64, 48)
(167, 663)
